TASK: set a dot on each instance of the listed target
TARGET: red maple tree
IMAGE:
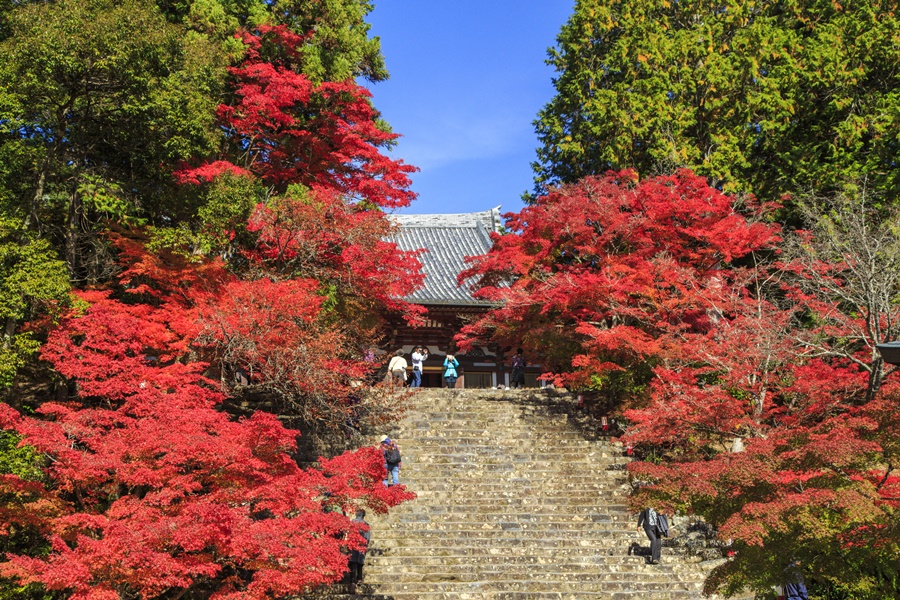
(319, 239)
(601, 275)
(287, 130)
(744, 366)
(151, 490)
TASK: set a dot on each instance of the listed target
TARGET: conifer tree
(765, 97)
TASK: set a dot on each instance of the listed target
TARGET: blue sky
(467, 80)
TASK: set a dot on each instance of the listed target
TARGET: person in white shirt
(397, 369)
(418, 356)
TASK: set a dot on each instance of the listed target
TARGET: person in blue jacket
(794, 585)
(450, 374)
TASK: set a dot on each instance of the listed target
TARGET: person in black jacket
(358, 557)
(392, 463)
(649, 519)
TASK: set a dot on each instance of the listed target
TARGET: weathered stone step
(478, 416)
(594, 516)
(428, 466)
(505, 541)
(463, 435)
(529, 482)
(561, 461)
(660, 580)
(526, 475)
(564, 462)
(513, 447)
(559, 586)
(511, 501)
(612, 566)
(502, 482)
(512, 524)
(611, 559)
(565, 498)
(494, 512)
(640, 595)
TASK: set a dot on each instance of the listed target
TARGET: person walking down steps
(655, 526)
(392, 462)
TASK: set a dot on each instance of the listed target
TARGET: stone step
(423, 418)
(617, 566)
(607, 570)
(564, 498)
(505, 482)
(640, 595)
(504, 496)
(613, 559)
(512, 524)
(465, 441)
(550, 583)
(595, 515)
(619, 541)
(573, 467)
(667, 586)
(527, 512)
(525, 481)
(569, 461)
(473, 558)
(531, 483)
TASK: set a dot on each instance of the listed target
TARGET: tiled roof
(448, 239)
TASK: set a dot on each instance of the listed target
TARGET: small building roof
(448, 239)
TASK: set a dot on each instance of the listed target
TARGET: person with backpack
(655, 526)
(392, 462)
(397, 369)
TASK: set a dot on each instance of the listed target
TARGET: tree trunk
(876, 375)
(32, 221)
(73, 226)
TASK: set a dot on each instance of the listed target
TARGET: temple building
(448, 240)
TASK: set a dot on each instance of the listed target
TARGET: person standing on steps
(358, 557)
(794, 584)
(397, 369)
(655, 525)
(450, 374)
(517, 379)
(392, 462)
(418, 357)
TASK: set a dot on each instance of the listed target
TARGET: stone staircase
(514, 502)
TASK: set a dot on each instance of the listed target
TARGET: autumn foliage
(313, 277)
(741, 358)
(606, 271)
(265, 289)
(150, 489)
(286, 129)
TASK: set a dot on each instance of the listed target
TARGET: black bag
(392, 456)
